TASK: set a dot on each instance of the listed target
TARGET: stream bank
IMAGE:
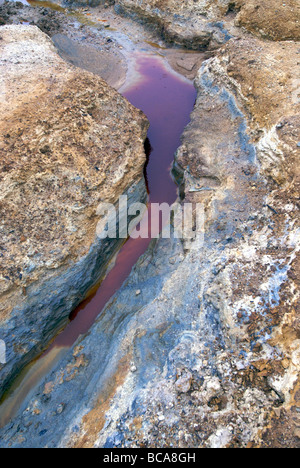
(168, 121)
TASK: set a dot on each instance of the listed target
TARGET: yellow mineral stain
(94, 421)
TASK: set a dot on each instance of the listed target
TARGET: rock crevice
(68, 143)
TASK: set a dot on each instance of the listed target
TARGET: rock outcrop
(48, 21)
(66, 29)
(279, 21)
(68, 142)
(202, 24)
(196, 25)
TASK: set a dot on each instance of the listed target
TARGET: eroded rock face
(192, 24)
(208, 8)
(66, 29)
(48, 21)
(68, 142)
(205, 24)
(200, 24)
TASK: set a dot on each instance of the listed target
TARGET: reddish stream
(167, 100)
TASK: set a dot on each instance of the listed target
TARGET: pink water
(167, 100)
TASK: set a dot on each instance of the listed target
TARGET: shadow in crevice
(233, 9)
(148, 151)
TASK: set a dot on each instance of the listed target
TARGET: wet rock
(187, 63)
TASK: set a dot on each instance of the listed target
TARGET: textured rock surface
(207, 355)
(279, 21)
(203, 23)
(211, 9)
(66, 29)
(68, 142)
(193, 24)
(48, 21)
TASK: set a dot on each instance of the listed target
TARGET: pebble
(60, 408)
(298, 144)
(277, 411)
(183, 384)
